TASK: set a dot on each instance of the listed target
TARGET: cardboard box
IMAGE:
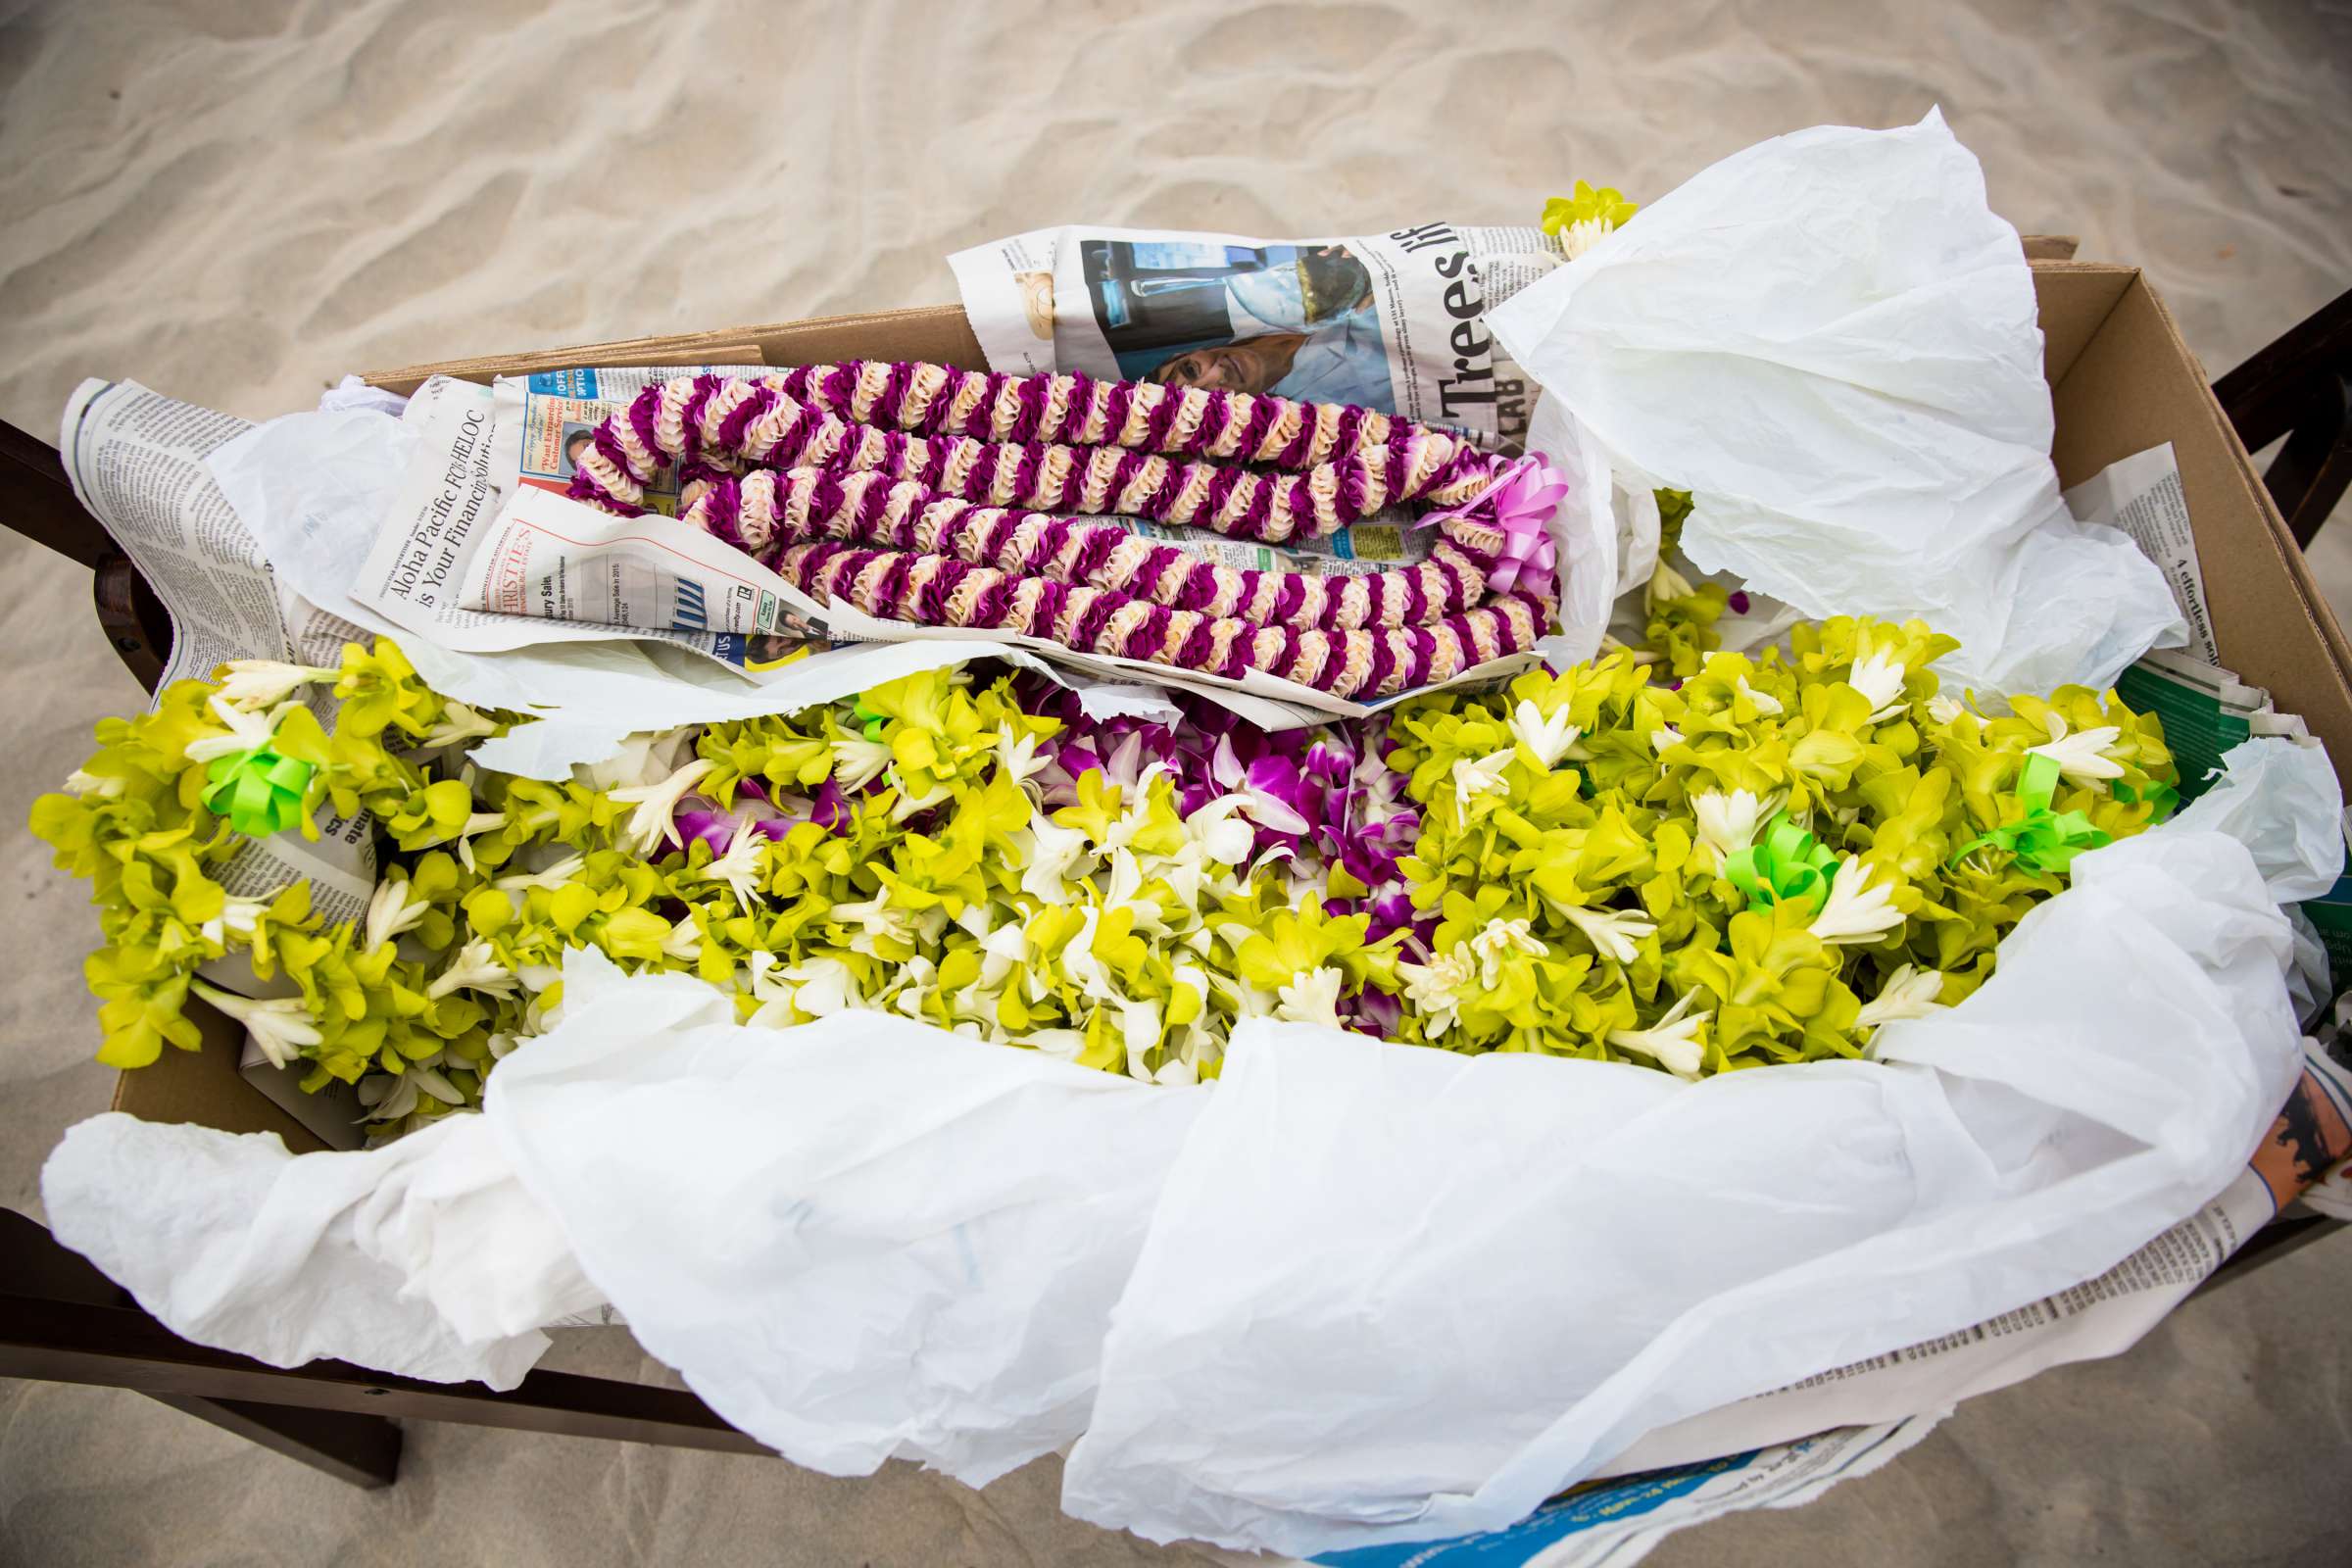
(2121, 377)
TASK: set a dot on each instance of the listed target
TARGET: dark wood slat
(362, 1450)
(39, 499)
(123, 1347)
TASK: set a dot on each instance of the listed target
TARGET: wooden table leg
(62, 1321)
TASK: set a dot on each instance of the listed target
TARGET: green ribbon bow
(871, 720)
(258, 791)
(2042, 838)
(1785, 865)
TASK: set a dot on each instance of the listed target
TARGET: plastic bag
(1834, 345)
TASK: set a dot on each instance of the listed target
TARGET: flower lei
(924, 493)
(1763, 862)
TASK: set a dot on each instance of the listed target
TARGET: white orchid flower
(2080, 755)
(1222, 837)
(1856, 911)
(739, 867)
(1764, 703)
(474, 968)
(390, 911)
(652, 825)
(1613, 933)
(459, 722)
(280, 1025)
(1909, 993)
(1880, 679)
(1055, 856)
(1474, 779)
(87, 785)
(1016, 754)
(1312, 997)
(1728, 823)
(1548, 738)
(1672, 1042)
(258, 684)
(1943, 709)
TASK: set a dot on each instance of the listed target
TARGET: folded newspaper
(1392, 321)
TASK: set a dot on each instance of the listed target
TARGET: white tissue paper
(859, 1239)
(1832, 343)
(1350, 1292)
(1395, 1296)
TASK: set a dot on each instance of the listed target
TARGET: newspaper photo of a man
(1296, 320)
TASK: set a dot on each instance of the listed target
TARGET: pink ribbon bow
(1525, 494)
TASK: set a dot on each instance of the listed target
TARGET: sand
(237, 201)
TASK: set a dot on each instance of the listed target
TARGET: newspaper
(2143, 495)
(1615, 1524)
(541, 421)
(429, 572)
(1392, 321)
(136, 461)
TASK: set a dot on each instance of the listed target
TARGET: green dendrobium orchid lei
(1577, 872)
(1583, 901)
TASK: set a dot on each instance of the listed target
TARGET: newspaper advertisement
(2143, 495)
(1392, 321)
(544, 420)
(428, 559)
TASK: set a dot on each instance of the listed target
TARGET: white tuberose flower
(2081, 756)
(1728, 823)
(1856, 911)
(1312, 997)
(1613, 933)
(390, 911)
(474, 968)
(1436, 988)
(1501, 937)
(1880, 680)
(459, 722)
(739, 867)
(255, 684)
(650, 824)
(1909, 993)
(281, 1026)
(1471, 779)
(1671, 1042)
(1550, 739)
(246, 731)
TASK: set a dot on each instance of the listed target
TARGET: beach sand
(238, 201)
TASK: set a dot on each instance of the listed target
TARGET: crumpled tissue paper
(1831, 341)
